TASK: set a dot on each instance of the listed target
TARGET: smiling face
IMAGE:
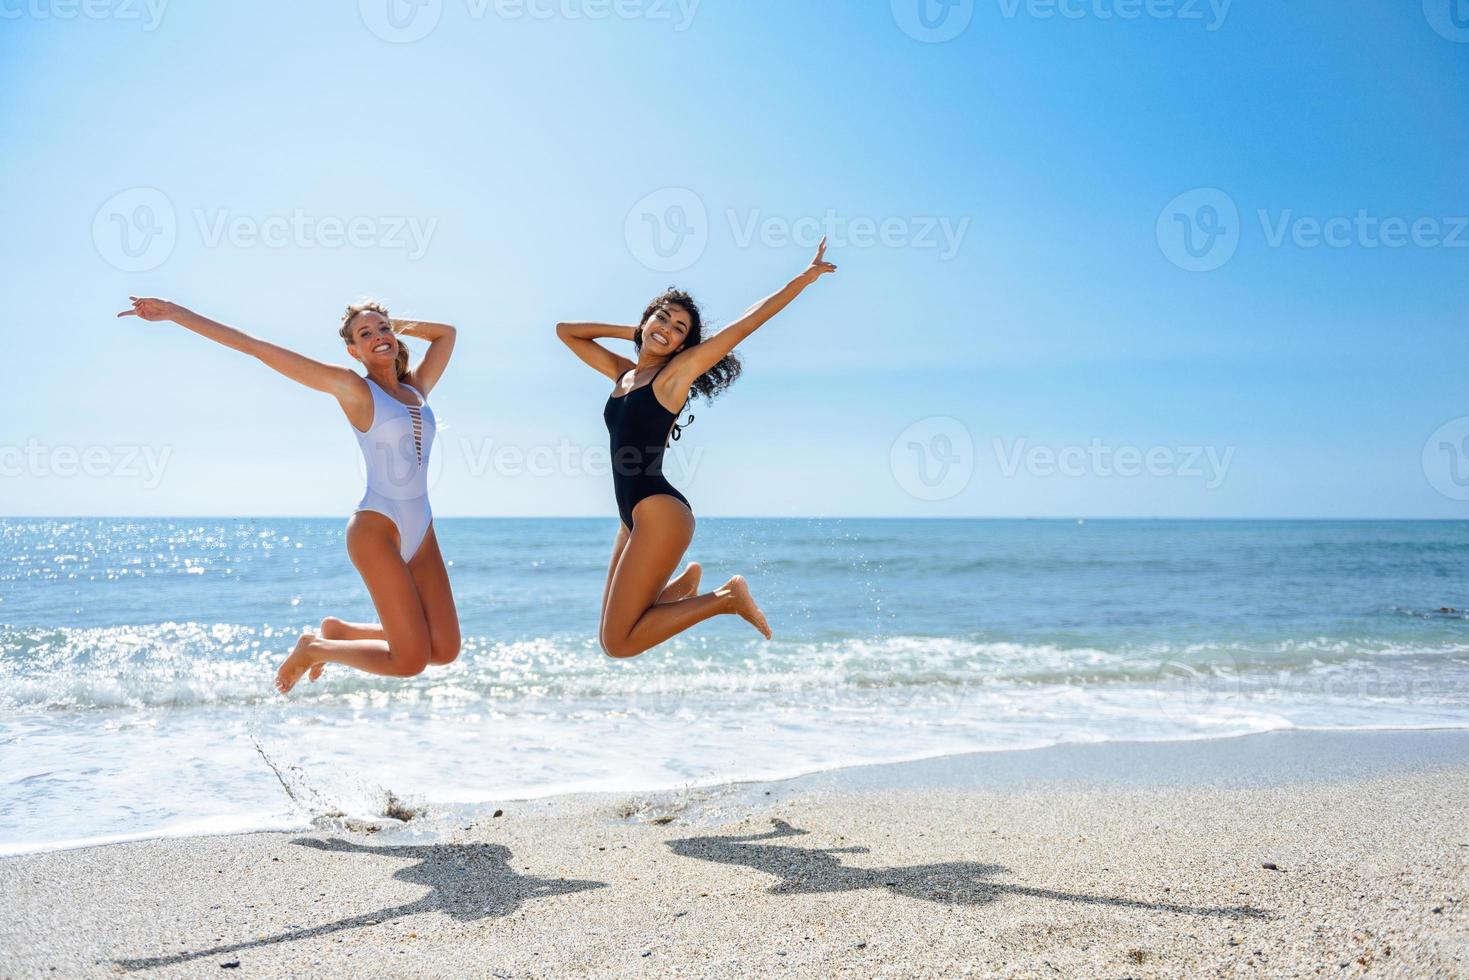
(666, 330)
(371, 340)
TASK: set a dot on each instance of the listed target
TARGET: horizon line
(729, 517)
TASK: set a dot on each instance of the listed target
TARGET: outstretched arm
(330, 378)
(440, 337)
(691, 363)
(582, 339)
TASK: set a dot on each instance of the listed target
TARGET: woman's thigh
(431, 577)
(619, 544)
(372, 544)
(662, 529)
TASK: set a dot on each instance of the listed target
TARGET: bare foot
(684, 586)
(331, 628)
(744, 604)
(299, 662)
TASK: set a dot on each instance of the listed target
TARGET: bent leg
(633, 621)
(333, 628)
(405, 645)
(682, 587)
(431, 577)
(619, 544)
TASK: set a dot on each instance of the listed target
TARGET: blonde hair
(371, 306)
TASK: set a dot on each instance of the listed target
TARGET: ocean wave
(177, 665)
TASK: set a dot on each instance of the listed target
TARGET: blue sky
(1052, 356)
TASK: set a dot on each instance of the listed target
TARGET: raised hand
(147, 308)
(819, 266)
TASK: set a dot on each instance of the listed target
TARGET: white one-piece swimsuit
(396, 451)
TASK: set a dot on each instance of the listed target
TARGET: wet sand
(1291, 853)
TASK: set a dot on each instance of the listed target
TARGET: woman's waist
(633, 465)
(399, 492)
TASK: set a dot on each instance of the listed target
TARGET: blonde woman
(390, 537)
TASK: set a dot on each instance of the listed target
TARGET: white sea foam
(177, 665)
(136, 659)
(170, 737)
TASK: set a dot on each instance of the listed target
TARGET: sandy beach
(1282, 854)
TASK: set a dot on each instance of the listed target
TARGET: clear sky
(1088, 262)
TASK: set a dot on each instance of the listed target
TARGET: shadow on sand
(466, 881)
(807, 870)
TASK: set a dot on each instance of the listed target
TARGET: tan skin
(418, 624)
(641, 608)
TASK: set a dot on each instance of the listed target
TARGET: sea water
(137, 658)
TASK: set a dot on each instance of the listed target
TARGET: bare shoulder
(354, 383)
(619, 367)
(353, 389)
(682, 371)
(619, 374)
(355, 397)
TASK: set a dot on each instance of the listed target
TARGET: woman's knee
(408, 664)
(444, 649)
(410, 655)
(618, 648)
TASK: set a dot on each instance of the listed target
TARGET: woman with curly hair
(390, 537)
(641, 607)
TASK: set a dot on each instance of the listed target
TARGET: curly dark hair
(716, 379)
(712, 382)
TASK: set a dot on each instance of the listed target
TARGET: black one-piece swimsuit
(639, 427)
